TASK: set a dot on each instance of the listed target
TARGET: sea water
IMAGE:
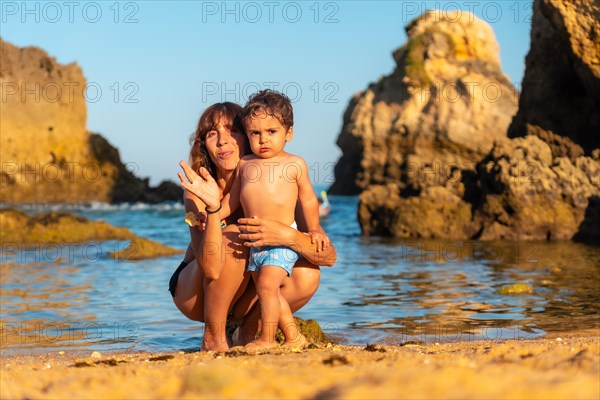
(74, 297)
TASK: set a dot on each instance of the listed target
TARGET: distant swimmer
(324, 206)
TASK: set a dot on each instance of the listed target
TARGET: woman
(212, 283)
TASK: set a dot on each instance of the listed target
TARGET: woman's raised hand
(203, 186)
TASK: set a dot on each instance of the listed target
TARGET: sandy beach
(554, 367)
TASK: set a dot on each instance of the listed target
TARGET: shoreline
(561, 365)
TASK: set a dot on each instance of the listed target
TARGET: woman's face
(225, 146)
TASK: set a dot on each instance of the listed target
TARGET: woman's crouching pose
(212, 285)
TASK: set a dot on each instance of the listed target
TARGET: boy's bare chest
(272, 177)
(266, 172)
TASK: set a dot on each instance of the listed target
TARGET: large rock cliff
(445, 169)
(560, 100)
(46, 152)
(441, 108)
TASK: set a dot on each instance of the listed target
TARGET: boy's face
(267, 135)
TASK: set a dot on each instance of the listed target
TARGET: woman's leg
(220, 294)
(297, 290)
(209, 300)
(300, 287)
(189, 292)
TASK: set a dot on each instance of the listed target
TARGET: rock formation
(560, 100)
(442, 170)
(20, 231)
(521, 193)
(440, 110)
(46, 152)
(527, 194)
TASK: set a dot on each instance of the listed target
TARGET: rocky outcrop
(521, 192)
(46, 152)
(127, 187)
(527, 194)
(20, 229)
(561, 86)
(440, 110)
(435, 213)
(540, 186)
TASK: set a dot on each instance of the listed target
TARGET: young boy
(270, 183)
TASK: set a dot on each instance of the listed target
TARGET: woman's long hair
(208, 121)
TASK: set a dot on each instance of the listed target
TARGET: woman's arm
(205, 243)
(263, 232)
(309, 206)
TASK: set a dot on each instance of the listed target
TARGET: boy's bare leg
(293, 337)
(268, 279)
(297, 290)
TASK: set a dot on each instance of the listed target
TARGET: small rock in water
(517, 288)
(96, 354)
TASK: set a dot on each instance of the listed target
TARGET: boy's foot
(299, 342)
(259, 345)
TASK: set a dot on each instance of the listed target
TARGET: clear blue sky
(159, 64)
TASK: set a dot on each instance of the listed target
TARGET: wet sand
(565, 367)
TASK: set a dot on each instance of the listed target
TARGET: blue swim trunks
(277, 256)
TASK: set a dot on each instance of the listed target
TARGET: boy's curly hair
(272, 103)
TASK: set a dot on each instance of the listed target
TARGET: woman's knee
(189, 308)
(307, 278)
(302, 286)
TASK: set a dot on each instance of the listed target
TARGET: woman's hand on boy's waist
(265, 232)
